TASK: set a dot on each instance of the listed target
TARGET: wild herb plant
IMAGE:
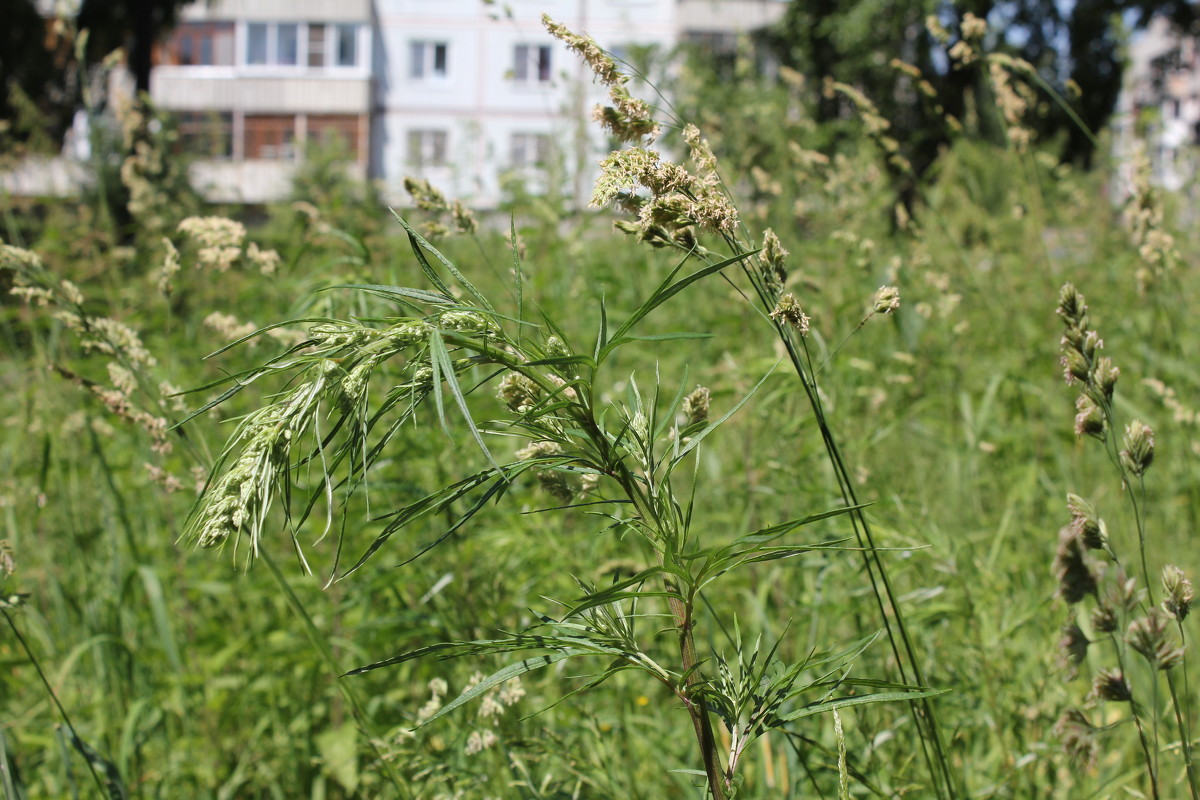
(620, 461)
(316, 443)
(673, 207)
(1128, 619)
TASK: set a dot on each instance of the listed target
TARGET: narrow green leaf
(661, 337)
(435, 364)
(602, 336)
(162, 620)
(114, 785)
(665, 291)
(437, 501)
(260, 331)
(508, 673)
(418, 242)
(441, 359)
(397, 292)
(859, 700)
(712, 426)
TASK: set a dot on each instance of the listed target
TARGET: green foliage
(191, 678)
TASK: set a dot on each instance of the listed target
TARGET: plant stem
(1151, 761)
(682, 617)
(1184, 734)
(53, 697)
(695, 706)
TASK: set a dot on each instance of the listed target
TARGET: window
(531, 63)
(316, 45)
(335, 130)
(427, 60)
(201, 44)
(256, 43)
(272, 43)
(427, 148)
(347, 47)
(529, 150)
(208, 134)
(270, 136)
(287, 44)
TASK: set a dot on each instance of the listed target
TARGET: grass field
(194, 673)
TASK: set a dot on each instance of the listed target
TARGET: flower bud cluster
(788, 311)
(1096, 375)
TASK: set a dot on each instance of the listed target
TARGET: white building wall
(221, 89)
(279, 10)
(479, 102)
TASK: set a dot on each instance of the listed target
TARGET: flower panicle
(1150, 636)
(1179, 592)
(1076, 579)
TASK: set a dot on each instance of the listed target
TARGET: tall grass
(193, 678)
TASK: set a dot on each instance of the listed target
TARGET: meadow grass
(193, 677)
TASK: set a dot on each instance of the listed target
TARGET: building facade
(255, 83)
(472, 95)
(1159, 107)
(476, 97)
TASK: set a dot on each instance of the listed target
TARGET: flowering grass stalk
(674, 207)
(1118, 604)
(621, 459)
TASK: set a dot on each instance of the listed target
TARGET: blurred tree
(32, 80)
(133, 24)
(1079, 42)
(37, 59)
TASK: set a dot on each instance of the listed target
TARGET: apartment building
(1160, 104)
(472, 95)
(254, 83)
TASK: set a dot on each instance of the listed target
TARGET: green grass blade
(860, 700)
(665, 291)
(506, 674)
(419, 243)
(321, 647)
(162, 621)
(440, 357)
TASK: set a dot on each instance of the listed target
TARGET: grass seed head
(1111, 685)
(464, 218)
(1087, 524)
(788, 311)
(518, 392)
(695, 405)
(1072, 308)
(1104, 618)
(557, 348)
(1075, 578)
(772, 259)
(425, 195)
(1149, 636)
(1089, 419)
(886, 300)
(1138, 454)
(701, 153)
(1078, 737)
(1104, 377)
(598, 61)
(1072, 649)
(1179, 592)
